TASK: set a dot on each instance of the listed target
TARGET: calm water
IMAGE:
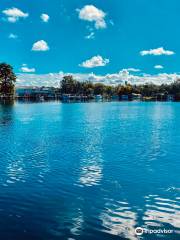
(89, 171)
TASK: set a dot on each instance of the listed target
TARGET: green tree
(109, 90)
(124, 89)
(69, 85)
(99, 88)
(88, 88)
(7, 79)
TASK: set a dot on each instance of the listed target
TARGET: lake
(89, 171)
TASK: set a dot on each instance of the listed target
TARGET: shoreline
(12, 101)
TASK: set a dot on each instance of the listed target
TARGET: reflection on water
(89, 171)
(159, 213)
(91, 166)
(77, 224)
(90, 175)
(120, 220)
(6, 114)
(161, 210)
(91, 160)
(15, 171)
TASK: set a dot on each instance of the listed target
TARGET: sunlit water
(89, 170)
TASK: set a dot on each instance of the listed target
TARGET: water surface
(89, 170)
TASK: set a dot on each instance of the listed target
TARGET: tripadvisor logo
(139, 231)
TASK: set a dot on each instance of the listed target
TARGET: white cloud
(92, 14)
(90, 35)
(158, 67)
(53, 79)
(14, 14)
(40, 46)
(156, 52)
(12, 36)
(96, 61)
(44, 17)
(133, 70)
(100, 24)
(26, 69)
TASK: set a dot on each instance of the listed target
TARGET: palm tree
(7, 80)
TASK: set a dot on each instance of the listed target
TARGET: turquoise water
(89, 170)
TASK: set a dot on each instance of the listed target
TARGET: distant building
(35, 92)
(66, 97)
(136, 96)
(124, 97)
(25, 91)
(161, 97)
(170, 97)
(115, 97)
(98, 97)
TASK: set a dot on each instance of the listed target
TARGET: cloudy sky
(103, 41)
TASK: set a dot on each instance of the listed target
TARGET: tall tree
(99, 88)
(7, 79)
(68, 85)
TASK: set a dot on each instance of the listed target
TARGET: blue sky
(106, 41)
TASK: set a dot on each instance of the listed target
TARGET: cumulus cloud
(14, 14)
(53, 79)
(12, 36)
(133, 70)
(158, 67)
(156, 52)
(44, 17)
(96, 61)
(40, 46)
(26, 69)
(91, 13)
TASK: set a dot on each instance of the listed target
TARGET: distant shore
(29, 100)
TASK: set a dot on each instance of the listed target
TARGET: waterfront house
(70, 97)
(35, 93)
(124, 97)
(135, 96)
(170, 97)
(25, 92)
(98, 97)
(161, 97)
(66, 97)
(115, 97)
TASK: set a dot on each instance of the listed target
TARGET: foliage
(7, 79)
(71, 86)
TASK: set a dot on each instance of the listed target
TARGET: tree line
(69, 85)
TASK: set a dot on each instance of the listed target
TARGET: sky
(108, 41)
